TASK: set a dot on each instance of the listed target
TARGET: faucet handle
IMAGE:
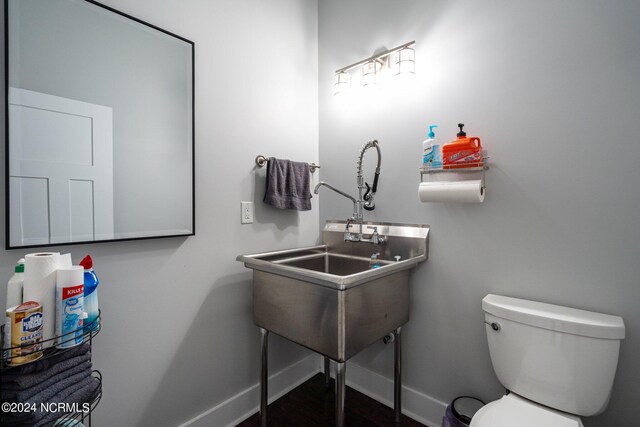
(348, 224)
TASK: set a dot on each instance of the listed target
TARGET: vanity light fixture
(370, 72)
(342, 82)
(372, 67)
(406, 61)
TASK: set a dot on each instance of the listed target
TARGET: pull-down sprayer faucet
(364, 201)
(371, 191)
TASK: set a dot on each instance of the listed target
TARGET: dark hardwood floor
(311, 405)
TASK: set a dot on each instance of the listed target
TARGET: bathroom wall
(552, 89)
(178, 336)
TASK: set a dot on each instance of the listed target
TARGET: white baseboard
(246, 403)
(416, 405)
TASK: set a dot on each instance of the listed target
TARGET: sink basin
(341, 265)
(327, 298)
(332, 263)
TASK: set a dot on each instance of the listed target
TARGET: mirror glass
(99, 127)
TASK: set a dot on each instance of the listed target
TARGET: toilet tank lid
(555, 317)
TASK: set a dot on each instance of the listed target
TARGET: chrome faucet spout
(356, 216)
(324, 184)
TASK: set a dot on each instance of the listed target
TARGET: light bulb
(406, 61)
(370, 72)
(342, 82)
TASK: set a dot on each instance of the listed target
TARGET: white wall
(178, 335)
(553, 90)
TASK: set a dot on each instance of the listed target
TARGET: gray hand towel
(85, 393)
(42, 364)
(22, 395)
(54, 394)
(10, 381)
(288, 185)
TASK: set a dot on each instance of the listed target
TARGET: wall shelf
(483, 168)
(456, 189)
(469, 169)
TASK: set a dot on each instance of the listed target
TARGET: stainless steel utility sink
(329, 299)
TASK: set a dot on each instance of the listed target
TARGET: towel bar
(262, 161)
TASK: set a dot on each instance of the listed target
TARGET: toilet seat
(513, 410)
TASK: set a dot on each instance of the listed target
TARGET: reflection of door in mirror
(61, 169)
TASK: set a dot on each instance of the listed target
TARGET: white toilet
(557, 362)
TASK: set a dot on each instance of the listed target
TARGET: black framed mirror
(99, 126)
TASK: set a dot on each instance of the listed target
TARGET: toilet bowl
(515, 411)
(558, 363)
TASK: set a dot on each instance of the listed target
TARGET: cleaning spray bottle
(15, 285)
(90, 294)
(431, 151)
(70, 313)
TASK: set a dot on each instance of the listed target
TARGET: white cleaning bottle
(431, 151)
(16, 285)
(69, 306)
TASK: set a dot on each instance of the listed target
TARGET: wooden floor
(311, 405)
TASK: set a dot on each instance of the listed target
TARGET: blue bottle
(90, 295)
(431, 151)
(373, 262)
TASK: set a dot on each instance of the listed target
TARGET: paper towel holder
(483, 168)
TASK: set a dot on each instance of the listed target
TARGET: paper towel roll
(452, 191)
(40, 286)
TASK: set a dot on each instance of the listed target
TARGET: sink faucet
(365, 201)
(342, 193)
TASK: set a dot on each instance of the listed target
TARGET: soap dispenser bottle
(463, 152)
(431, 151)
(374, 262)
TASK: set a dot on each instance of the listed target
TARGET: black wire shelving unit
(90, 330)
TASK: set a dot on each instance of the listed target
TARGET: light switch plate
(246, 213)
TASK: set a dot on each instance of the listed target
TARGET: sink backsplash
(404, 240)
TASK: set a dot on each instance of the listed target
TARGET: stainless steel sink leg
(264, 376)
(327, 372)
(340, 391)
(397, 377)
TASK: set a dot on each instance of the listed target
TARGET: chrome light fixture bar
(405, 63)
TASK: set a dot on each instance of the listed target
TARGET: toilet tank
(558, 356)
